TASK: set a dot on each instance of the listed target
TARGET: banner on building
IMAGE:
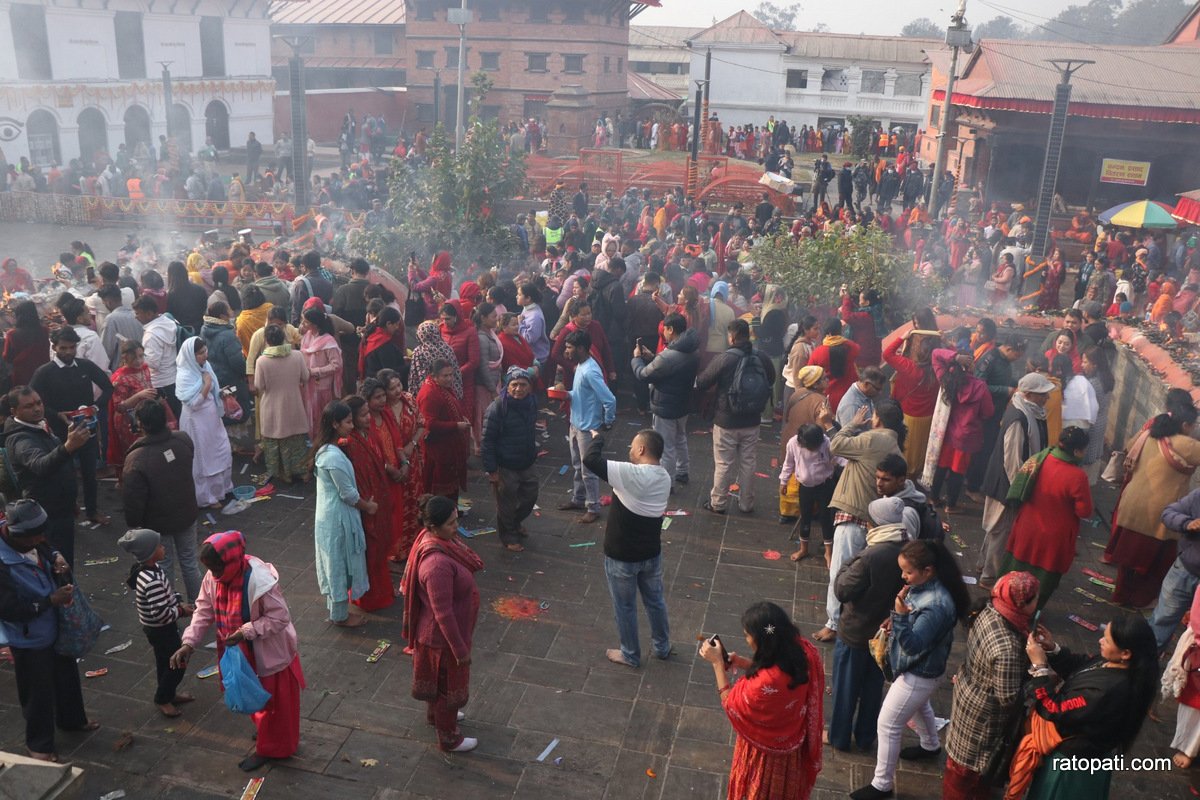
(1126, 173)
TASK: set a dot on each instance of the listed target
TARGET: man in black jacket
(509, 451)
(311, 283)
(45, 465)
(671, 375)
(159, 493)
(65, 384)
(350, 303)
(735, 431)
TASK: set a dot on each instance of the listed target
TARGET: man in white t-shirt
(632, 541)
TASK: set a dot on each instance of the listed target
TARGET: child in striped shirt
(158, 608)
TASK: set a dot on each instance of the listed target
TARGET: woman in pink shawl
(323, 357)
(775, 709)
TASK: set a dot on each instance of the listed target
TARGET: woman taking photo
(1158, 470)
(441, 606)
(410, 432)
(371, 478)
(199, 392)
(323, 357)
(338, 530)
(131, 386)
(1086, 706)
(280, 377)
(449, 429)
(775, 708)
(923, 619)
(987, 688)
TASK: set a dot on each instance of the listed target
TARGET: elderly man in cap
(1022, 433)
(509, 452)
(30, 592)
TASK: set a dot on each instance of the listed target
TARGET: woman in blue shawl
(199, 392)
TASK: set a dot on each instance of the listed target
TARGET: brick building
(530, 49)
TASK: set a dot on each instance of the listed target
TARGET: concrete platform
(655, 733)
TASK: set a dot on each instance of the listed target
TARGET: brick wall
(326, 109)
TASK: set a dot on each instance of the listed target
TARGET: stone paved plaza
(656, 732)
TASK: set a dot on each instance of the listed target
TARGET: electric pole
(460, 17)
(958, 36)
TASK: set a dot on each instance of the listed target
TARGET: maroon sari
(373, 482)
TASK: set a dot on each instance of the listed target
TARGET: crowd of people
(650, 304)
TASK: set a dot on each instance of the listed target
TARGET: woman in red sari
(131, 386)
(775, 709)
(372, 479)
(410, 433)
(449, 429)
(441, 606)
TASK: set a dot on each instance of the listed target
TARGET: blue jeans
(586, 486)
(857, 683)
(183, 545)
(849, 539)
(625, 580)
(1174, 598)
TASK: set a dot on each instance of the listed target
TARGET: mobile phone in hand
(716, 642)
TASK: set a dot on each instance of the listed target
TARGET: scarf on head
(428, 543)
(718, 289)
(431, 347)
(527, 408)
(278, 351)
(229, 589)
(777, 718)
(833, 341)
(189, 376)
(1022, 485)
(196, 263)
(1033, 413)
(1011, 594)
(891, 532)
(375, 340)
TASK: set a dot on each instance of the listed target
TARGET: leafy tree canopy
(924, 28)
(778, 17)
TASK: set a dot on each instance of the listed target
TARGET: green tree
(923, 28)
(812, 271)
(451, 202)
(777, 17)
(1000, 27)
(862, 135)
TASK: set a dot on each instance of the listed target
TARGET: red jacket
(862, 331)
(964, 429)
(915, 388)
(1047, 526)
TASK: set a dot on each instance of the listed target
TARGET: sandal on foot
(514, 547)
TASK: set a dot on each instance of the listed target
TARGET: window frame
(529, 58)
(801, 78)
(568, 61)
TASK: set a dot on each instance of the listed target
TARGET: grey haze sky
(856, 16)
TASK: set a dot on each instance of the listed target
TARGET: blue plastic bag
(244, 693)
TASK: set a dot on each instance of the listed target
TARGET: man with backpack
(743, 377)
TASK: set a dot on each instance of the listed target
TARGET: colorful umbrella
(1139, 214)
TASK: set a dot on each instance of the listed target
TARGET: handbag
(1114, 471)
(233, 409)
(78, 625)
(244, 692)
(878, 645)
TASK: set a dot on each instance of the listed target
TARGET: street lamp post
(460, 17)
(300, 163)
(167, 100)
(958, 36)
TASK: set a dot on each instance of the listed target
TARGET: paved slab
(655, 733)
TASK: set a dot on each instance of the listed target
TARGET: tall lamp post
(168, 102)
(958, 36)
(460, 17)
(299, 120)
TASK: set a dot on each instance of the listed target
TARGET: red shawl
(426, 544)
(229, 588)
(779, 720)
(377, 339)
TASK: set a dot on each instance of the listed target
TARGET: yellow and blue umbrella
(1140, 214)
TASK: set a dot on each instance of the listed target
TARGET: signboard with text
(1126, 173)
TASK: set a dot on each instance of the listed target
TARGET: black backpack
(931, 522)
(750, 390)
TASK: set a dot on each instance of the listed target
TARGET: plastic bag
(78, 626)
(244, 692)
(232, 408)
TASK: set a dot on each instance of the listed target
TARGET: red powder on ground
(771, 555)
(515, 608)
